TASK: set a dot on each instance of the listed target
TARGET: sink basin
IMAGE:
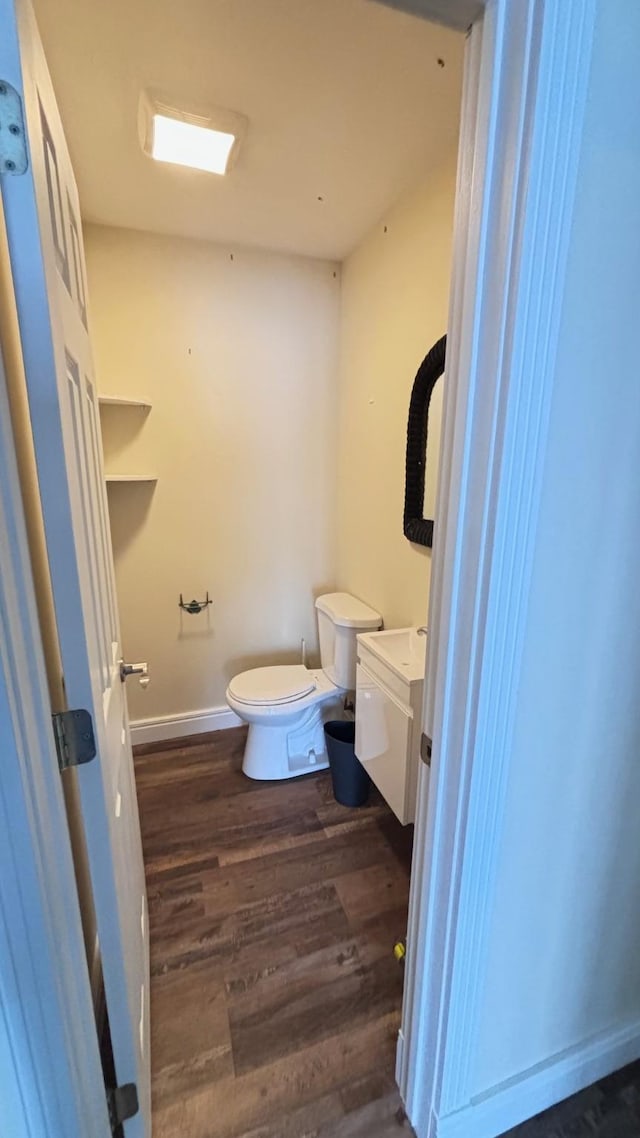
(401, 649)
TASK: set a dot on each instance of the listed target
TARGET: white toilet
(286, 706)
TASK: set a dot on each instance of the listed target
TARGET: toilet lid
(280, 684)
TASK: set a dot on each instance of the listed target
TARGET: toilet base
(288, 751)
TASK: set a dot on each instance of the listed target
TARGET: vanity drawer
(384, 737)
(380, 672)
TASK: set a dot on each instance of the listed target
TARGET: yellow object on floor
(400, 951)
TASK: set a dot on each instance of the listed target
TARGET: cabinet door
(383, 738)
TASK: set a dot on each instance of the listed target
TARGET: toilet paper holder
(194, 606)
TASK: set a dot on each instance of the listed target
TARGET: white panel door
(45, 241)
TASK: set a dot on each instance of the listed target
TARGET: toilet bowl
(286, 706)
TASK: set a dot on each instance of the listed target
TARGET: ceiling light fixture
(206, 141)
(186, 144)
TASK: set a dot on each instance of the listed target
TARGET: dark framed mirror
(420, 475)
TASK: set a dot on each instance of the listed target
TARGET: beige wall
(395, 292)
(237, 351)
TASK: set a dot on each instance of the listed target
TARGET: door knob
(133, 670)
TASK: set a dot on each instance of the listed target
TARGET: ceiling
(454, 13)
(347, 104)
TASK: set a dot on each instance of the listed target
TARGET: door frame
(527, 70)
(51, 1078)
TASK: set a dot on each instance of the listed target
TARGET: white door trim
(50, 1075)
(531, 70)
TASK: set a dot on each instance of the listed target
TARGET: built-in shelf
(131, 478)
(118, 401)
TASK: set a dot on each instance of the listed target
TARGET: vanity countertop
(403, 650)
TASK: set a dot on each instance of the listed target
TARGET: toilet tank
(340, 618)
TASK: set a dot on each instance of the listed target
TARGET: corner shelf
(131, 478)
(118, 401)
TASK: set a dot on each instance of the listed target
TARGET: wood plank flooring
(275, 998)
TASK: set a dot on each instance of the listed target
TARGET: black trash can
(350, 780)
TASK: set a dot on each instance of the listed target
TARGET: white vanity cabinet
(389, 685)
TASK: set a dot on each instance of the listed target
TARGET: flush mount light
(186, 144)
(203, 141)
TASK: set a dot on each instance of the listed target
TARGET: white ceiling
(454, 13)
(346, 101)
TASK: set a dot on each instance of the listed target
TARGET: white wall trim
(505, 306)
(187, 723)
(563, 1075)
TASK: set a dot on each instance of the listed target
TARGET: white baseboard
(522, 1097)
(189, 723)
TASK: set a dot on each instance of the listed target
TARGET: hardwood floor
(275, 997)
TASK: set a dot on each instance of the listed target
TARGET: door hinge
(13, 138)
(123, 1104)
(75, 741)
(426, 745)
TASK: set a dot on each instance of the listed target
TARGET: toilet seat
(279, 684)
